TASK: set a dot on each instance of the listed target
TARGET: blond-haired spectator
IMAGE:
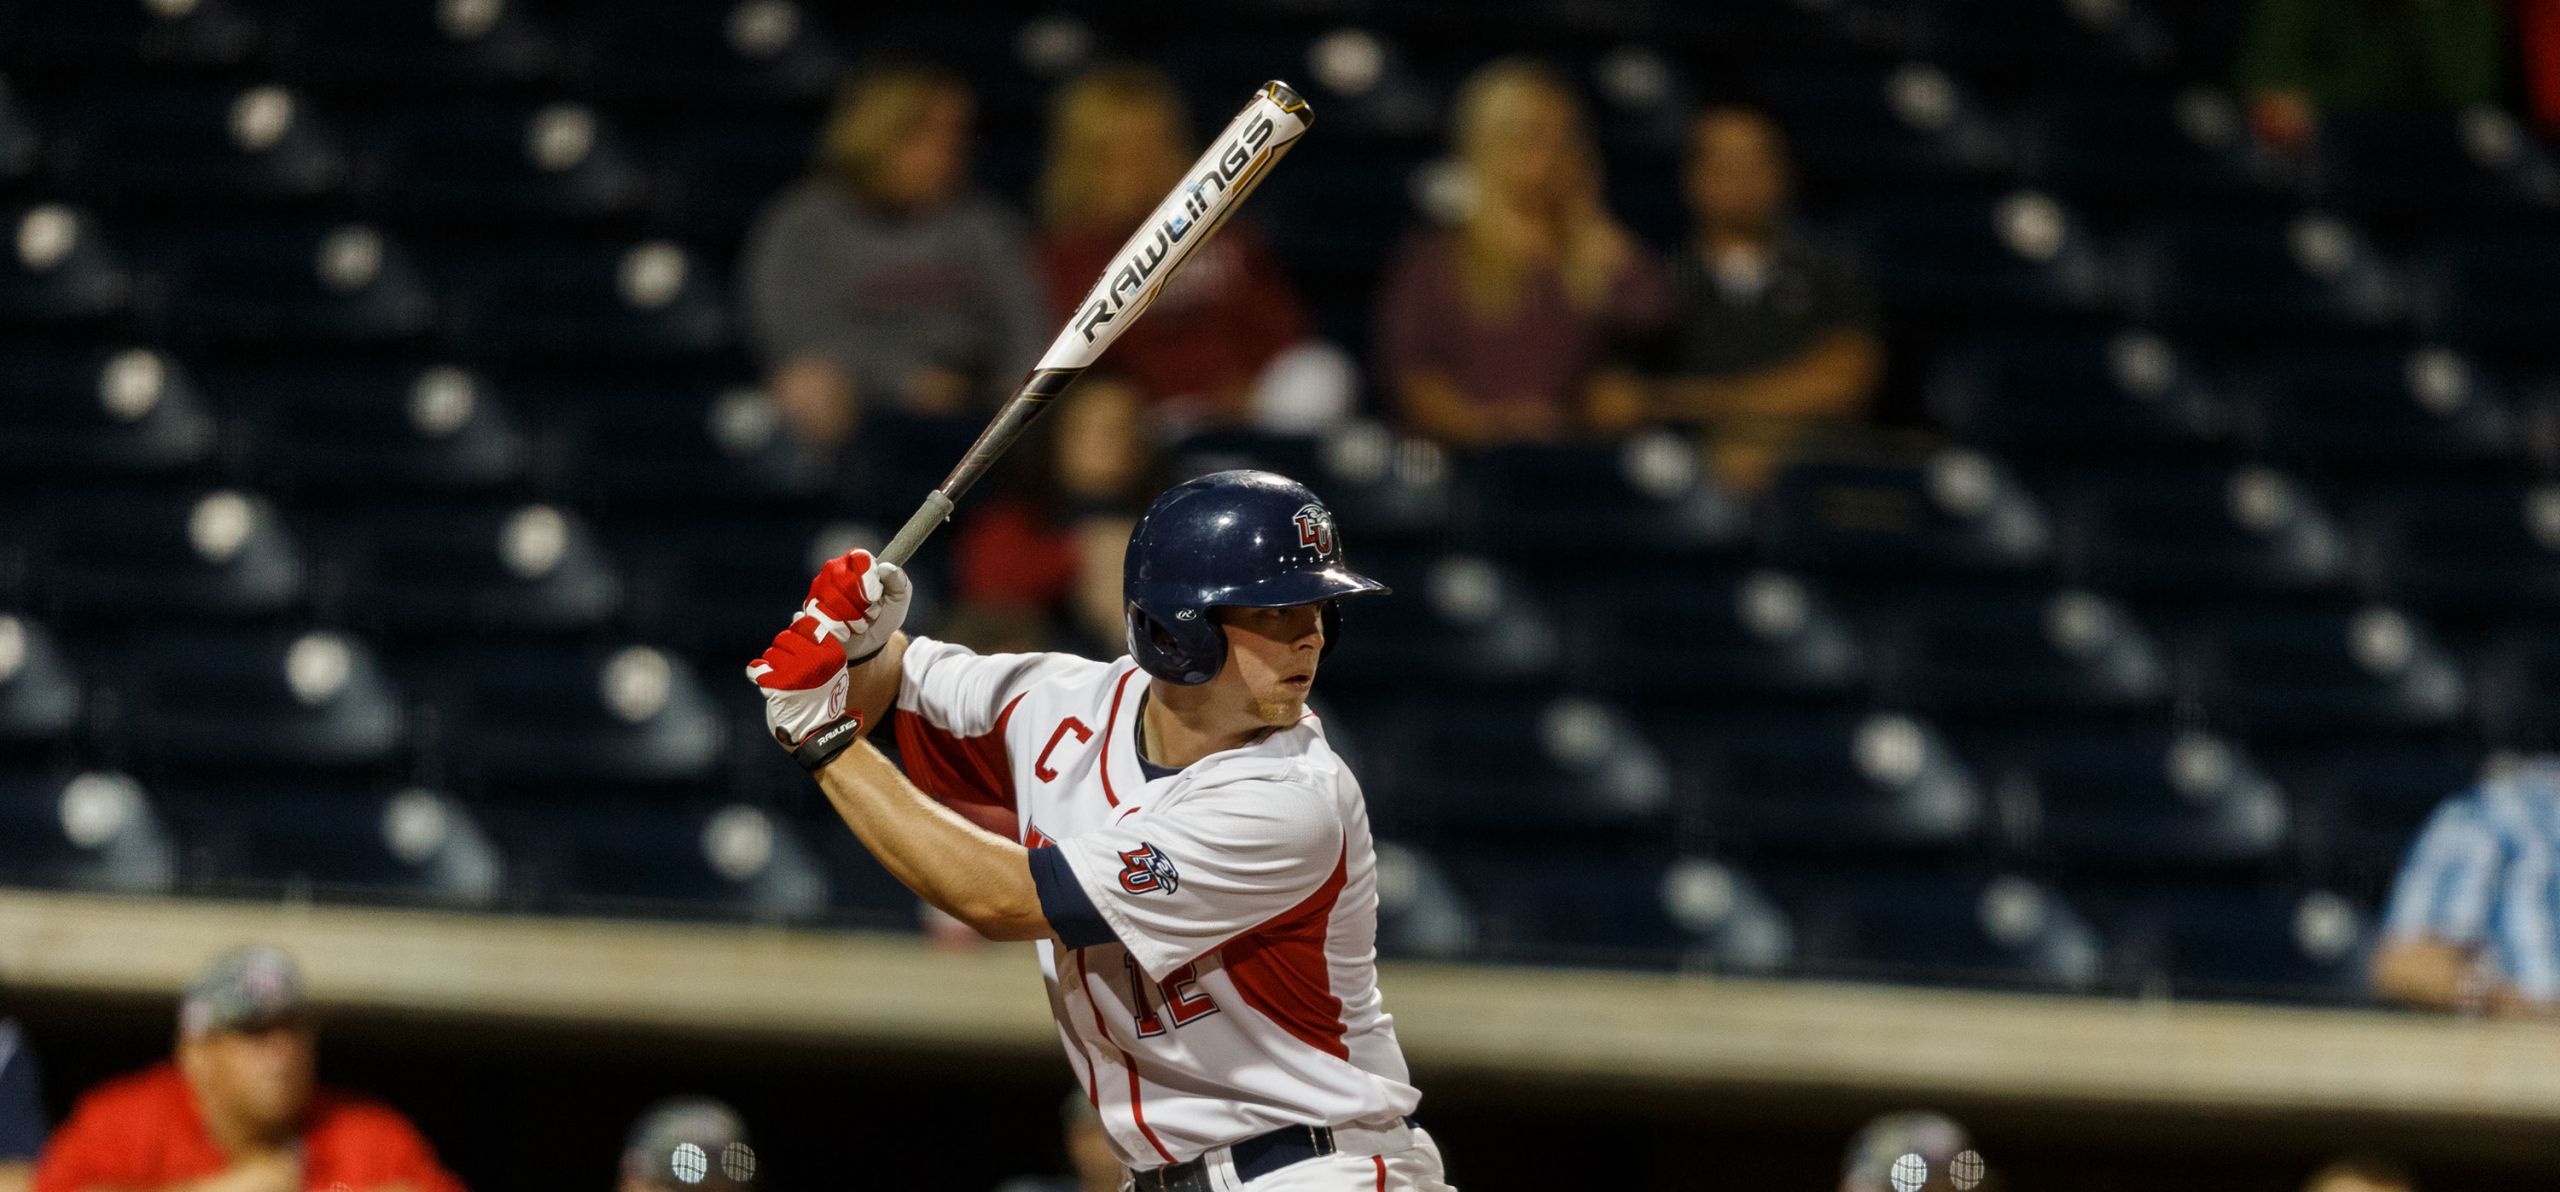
(1227, 339)
(883, 279)
(1502, 326)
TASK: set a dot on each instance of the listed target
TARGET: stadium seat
(340, 428)
(2307, 946)
(40, 691)
(1974, 650)
(260, 146)
(1865, 126)
(2360, 802)
(1957, 510)
(108, 555)
(548, 718)
(2139, 797)
(2131, 392)
(693, 860)
(2116, 150)
(2436, 543)
(80, 413)
(1936, 928)
(411, 47)
(75, 39)
(2265, 671)
(2433, 167)
(675, 53)
(1506, 764)
(1830, 782)
(2187, 531)
(567, 301)
(1538, 908)
(1650, 497)
(2373, 407)
(653, 442)
(88, 831)
(505, 166)
(2239, 273)
(64, 278)
(1455, 618)
(279, 289)
(1421, 913)
(719, 588)
(2519, 687)
(2488, 289)
(206, 701)
(719, 174)
(1752, 635)
(2033, 42)
(445, 569)
(410, 845)
(1966, 255)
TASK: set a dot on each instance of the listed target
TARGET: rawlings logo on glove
(853, 607)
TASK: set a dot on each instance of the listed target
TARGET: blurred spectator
(237, 1110)
(2305, 57)
(2472, 912)
(1501, 328)
(1047, 552)
(1913, 1151)
(1775, 338)
(884, 278)
(1226, 341)
(2361, 1173)
(1088, 1152)
(686, 1143)
(2537, 35)
(21, 1111)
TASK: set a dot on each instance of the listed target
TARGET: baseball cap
(253, 986)
(690, 1142)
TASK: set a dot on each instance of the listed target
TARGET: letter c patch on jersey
(1145, 870)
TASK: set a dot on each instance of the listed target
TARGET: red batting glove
(853, 605)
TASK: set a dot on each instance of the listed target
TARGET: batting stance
(1171, 827)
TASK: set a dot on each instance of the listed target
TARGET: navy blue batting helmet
(1241, 539)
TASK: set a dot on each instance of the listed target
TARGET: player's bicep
(1173, 887)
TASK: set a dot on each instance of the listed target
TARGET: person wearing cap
(689, 1144)
(235, 1108)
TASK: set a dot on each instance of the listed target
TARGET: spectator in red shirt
(236, 1110)
(1226, 341)
(1502, 327)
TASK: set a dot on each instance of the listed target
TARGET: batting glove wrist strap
(823, 745)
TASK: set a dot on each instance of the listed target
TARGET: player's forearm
(975, 876)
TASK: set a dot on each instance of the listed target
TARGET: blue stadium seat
(347, 285)
(181, 148)
(342, 427)
(564, 301)
(412, 46)
(1753, 635)
(2001, 650)
(79, 40)
(546, 717)
(659, 442)
(82, 413)
(2075, 394)
(1938, 927)
(2188, 531)
(40, 691)
(2306, 945)
(205, 701)
(1649, 496)
(1505, 763)
(440, 569)
(2264, 671)
(506, 166)
(2022, 252)
(2360, 802)
(2375, 407)
(2519, 687)
(1863, 125)
(719, 174)
(697, 860)
(2488, 288)
(2443, 544)
(1824, 782)
(2137, 798)
(2115, 150)
(1421, 913)
(2261, 274)
(64, 276)
(411, 846)
(2436, 167)
(1958, 510)
(96, 831)
(1455, 618)
(676, 53)
(105, 554)
(1537, 907)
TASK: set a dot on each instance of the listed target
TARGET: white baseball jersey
(1215, 971)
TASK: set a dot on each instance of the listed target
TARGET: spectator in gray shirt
(883, 280)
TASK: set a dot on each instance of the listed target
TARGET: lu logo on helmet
(1315, 529)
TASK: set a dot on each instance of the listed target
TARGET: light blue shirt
(2485, 875)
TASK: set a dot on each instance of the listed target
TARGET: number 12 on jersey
(1183, 999)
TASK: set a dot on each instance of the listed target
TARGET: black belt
(1254, 1158)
